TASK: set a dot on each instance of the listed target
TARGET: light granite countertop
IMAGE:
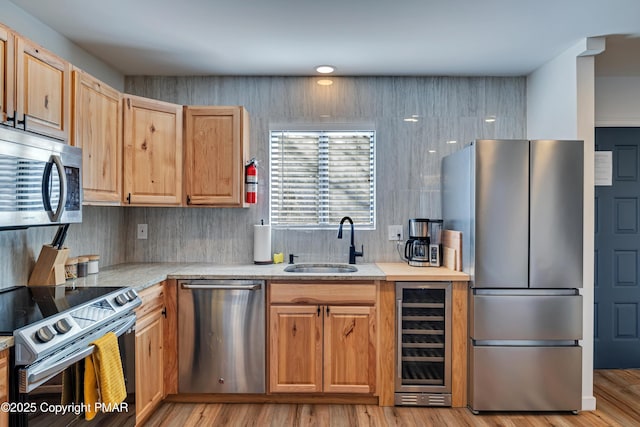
(6, 342)
(142, 275)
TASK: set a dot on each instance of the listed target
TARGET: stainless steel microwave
(40, 180)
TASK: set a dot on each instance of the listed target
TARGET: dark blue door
(617, 252)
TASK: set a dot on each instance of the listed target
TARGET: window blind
(318, 177)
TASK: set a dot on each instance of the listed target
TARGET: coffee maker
(424, 247)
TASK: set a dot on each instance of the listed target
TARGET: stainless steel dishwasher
(221, 340)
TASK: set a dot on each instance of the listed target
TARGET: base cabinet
(149, 360)
(4, 386)
(295, 349)
(349, 349)
(322, 347)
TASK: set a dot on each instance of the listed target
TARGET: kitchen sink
(321, 268)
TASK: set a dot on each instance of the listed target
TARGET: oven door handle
(30, 378)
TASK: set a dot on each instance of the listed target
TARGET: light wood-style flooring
(617, 394)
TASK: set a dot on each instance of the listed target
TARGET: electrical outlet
(142, 231)
(395, 232)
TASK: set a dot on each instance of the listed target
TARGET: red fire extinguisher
(251, 181)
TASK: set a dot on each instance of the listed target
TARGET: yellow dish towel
(103, 379)
(90, 389)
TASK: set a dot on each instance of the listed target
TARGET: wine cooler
(423, 357)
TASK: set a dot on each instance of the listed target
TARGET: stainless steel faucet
(352, 248)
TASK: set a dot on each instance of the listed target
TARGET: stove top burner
(22, 305)
(17, 309)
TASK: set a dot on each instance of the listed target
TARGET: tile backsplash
(408, 156)
(101, 232)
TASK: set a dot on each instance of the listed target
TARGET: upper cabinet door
(6, 73)
(216, 146)
(43, 90)
(97, 129)
(152, 152)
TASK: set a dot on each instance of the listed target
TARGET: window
(317, 177)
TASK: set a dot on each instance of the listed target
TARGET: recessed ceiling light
(490, 119)
(452, 142)
(410, 119)
(432, 151)
(325, 82)
(325, 69)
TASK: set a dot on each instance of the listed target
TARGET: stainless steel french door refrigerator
(519, 205)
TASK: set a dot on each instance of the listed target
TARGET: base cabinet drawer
(525, 378)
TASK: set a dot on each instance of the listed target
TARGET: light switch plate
(395, 232)
(142, 231)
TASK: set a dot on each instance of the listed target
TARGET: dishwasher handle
(237, 285)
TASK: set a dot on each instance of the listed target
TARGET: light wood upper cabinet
(97, 129)
(318, 345)
(216, 146)
(152, 152)
(6, 73)
(43, 90)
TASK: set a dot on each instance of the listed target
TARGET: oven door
(38, 387)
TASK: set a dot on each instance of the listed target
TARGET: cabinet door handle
(318, 311)
(327, 311)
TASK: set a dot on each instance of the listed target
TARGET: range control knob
(121, 299)
(62, 326)
(131, 295)
(44, 334)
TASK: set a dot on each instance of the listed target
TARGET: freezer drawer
(525, 378)
(498, 317)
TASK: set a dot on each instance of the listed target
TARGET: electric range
(53, 328)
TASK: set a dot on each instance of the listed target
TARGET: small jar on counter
(83, 264)
(71, 268)
(92, 267)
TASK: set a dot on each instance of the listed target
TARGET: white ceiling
(359, 37)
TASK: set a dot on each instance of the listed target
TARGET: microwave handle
(46, 195)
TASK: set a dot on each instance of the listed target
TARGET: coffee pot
(424, 247)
